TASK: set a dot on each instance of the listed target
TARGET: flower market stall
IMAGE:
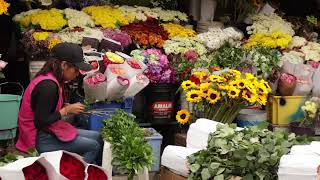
(233, 94)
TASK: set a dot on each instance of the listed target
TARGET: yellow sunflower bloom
(204, 87)
(262, 100)
(266, 85)
(186, 85)
(251, 98)
(241, 84)
(200, 75)
(262, 90)
(194, 96)
(233, 92)
(183, 116)
(235, 72)
(215, 78)
(233, 84)
(250, 76)
(223, 87)
(213, 96)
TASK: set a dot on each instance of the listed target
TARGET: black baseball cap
(71, 53)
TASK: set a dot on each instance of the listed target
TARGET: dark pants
(87, 144)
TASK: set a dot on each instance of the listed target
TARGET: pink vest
(27, 130)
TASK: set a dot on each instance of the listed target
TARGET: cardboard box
(166, 174)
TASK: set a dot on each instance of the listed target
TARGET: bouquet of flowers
(217, 37)
(230, 57)
(273, 40)
(221, 97)
(147, 34)
(269, 23)
(178, 45)
(78, 18)
(178, 30)
(158, 67)
(76, 35)
(117, 35)
(310, 110)
(184, 64)
(287, 84)
(264, 60)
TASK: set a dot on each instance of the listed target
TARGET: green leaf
(214, 165)
(219, 177)
(205, 174)
(1, 75)
(195, 167)
(220, 170)
(248, 177)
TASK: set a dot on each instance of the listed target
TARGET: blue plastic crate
(104, 110)
(155, 142)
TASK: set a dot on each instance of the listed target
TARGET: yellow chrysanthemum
(262, 100)
(40, 36)
(273, 40)
(186, 85)
(183, 116)
(213, 96)
(178, 30)
(52, 19)
(4, 7)
(53, 42)
(251, 98)
(194, 96)
(233, 92)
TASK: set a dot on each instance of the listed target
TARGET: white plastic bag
(316, 84)
(115, 70)
(304, 75)
(137, 83)
(117, 88)
(134, 67)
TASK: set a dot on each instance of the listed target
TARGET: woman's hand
(76, 108)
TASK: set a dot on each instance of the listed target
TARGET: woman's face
(70, 72)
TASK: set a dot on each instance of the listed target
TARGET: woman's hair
(53, 66)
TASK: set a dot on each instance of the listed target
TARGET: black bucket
(160, 99)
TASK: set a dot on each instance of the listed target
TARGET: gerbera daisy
(233, 92)
(183, 116)
(186, 85)
(213, 96)
(194, 96)
(247, 95)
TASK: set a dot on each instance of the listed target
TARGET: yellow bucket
(284, 109)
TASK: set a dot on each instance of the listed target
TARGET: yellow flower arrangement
(52, 19)
(221, 97)
(183, 116)
(4, 7)
(40, 36)
(114, 58)
(178, 30)
(273, 40)
(108, 17)
(201, 75)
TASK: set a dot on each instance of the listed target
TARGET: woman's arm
(44, 99)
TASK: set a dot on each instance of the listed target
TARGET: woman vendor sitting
(40, 124)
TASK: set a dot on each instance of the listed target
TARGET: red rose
(71, 167)
(194, 79)
(95, 173)
(35, 171)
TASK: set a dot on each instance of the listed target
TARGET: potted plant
(131, 153)
(307, 124)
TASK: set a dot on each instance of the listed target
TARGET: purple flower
(118, 35)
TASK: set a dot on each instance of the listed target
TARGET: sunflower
(262, 100)
(213, 96)
(250, 87)
(247, 95)
(204, 87)
(262, 90)
(194, 96)
(233, 84)
(241, 84)
(186, 85)
(183, 116)
(200, 75)
(266, 85)
(250, 76)
(223, 87)
(235, 72)
(233, 92)
(215, 78)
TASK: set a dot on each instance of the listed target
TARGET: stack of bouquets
(147, 34)
(53, 165)
(221, 95)
(158, 68)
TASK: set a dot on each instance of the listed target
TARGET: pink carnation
(190, 54)
(314, 64)
(289, 78)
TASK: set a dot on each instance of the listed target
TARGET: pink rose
(288, 78)
(3, 64)
(313, 64)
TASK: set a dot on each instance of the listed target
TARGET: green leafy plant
(130, 151)
(251, 153)
(312, 20)
(11, 157)
(230, 57)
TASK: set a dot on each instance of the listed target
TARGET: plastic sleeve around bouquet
(287, 84)
(109, 44)
(95, 172)
(115, 70)
(288, 67)
(117, 88)
(30, 168)
(304, 75)
(134, 67)
(95, 87)
(316, 85)
(137, 83)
